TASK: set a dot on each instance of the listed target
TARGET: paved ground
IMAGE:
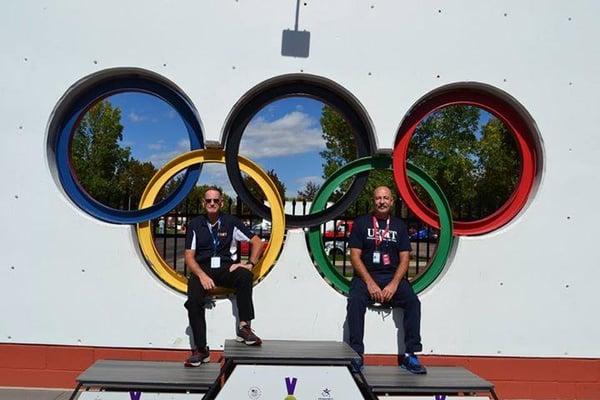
(33, 394)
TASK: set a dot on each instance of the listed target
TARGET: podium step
(298, 352)
(149, 375)
(438, 380)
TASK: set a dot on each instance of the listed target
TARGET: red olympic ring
(507, 113)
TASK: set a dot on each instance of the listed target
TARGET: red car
(245, 248)
(342, 230)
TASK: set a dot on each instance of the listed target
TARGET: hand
(206, 282)
(375, 292)
(388, 291)
(239, 265)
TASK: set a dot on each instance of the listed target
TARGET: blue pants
(359, 299)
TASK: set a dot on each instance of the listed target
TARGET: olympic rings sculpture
(235, 164)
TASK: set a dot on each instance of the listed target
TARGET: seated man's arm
(192, 264)
(255, 251)
(242, 233)
(390, 289)
(256, 248)
(361, 270)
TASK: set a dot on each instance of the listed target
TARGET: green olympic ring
(315, 242)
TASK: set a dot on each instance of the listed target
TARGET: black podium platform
(290, 352)
(147, 375)
(390, 380)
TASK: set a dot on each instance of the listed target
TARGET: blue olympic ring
(84, 101)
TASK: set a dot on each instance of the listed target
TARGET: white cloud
(135, 117)
(126, 143)
(301, 182)
(294, 133)
(184, 144)
(159, 145)
(169, 152)
(216, 175)
(160, 159)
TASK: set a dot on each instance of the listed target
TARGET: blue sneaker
(411, 364)
(356, 365)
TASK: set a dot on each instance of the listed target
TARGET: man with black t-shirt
(211, 255)
(379, 252)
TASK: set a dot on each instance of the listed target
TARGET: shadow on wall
(397, 315)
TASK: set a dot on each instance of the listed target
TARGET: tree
(193, 202)
(339, 141)
(445, 146)
(97, 157)
(133, 181)
(309, 191)
(499, 165)
(256, 190)
(340, 150)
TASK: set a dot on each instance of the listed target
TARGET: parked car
(261, 229)
(245, 248)
(336, 249)
(342, 230)
(423, 235)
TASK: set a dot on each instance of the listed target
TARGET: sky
(285, 136)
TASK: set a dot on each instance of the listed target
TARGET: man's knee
(357, 303)
(413, 303)
(194, 305)
(244, 278)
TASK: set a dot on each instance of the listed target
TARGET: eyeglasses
(209, 201)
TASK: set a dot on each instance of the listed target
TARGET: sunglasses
(209, 201)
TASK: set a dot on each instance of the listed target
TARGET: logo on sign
(290, 384)
(254, 393)
(325, 394)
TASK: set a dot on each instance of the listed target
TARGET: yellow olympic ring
(170, 169)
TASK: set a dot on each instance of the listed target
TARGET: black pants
(240, 280)
(359, 299)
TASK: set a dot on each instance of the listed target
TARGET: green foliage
(498, 153)
(133, 180)
(257, 191)
(98, 159)
(445, 146)
(308, 192)
(193, 203)
(340, 150)
(339, 141)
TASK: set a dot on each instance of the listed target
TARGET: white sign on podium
(276, 382)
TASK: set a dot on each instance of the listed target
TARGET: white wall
(527, 289)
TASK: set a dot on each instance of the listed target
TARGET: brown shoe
(198, 357)
(246, 335)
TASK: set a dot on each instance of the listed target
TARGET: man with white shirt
(211, 256)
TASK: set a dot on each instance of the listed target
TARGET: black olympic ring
(287, 86)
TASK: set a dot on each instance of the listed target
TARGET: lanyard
(378, 237)
(215, 234)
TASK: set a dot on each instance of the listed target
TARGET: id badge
(386, 259)
(376, 257)
(215, 262)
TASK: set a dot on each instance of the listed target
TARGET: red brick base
(515, 378)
